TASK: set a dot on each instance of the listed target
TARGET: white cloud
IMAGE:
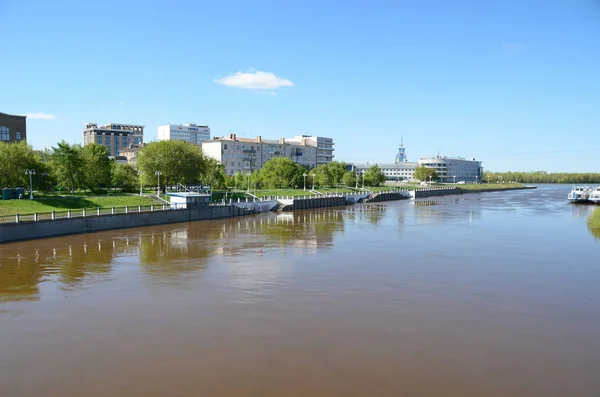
(514, 46)
(254, 80)
(41, 116)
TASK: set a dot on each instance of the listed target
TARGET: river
(493, 294)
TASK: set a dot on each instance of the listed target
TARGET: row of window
(5, 134)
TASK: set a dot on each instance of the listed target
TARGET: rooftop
(20, 116)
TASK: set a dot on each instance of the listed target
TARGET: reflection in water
(595, 230)
(163, 252)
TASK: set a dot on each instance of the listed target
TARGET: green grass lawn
(281, 192)
(63, 203)
(483, 186)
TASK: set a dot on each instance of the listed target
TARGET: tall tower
(401, 155)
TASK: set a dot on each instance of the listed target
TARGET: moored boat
(579, 194)
(595, 195)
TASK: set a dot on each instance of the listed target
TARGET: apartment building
(247, 155)
(114, 136)
(449, 169)
(192, 133)
(324, 146)
(13, 128)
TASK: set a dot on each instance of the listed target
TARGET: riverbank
(63, 203)
(594, 223)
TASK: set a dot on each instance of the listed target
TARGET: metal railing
(90, 212)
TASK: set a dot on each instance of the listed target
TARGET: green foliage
(66, 165)
(214, 174)
(281, 173)
(329, 174)
(374, 176)
(97, 167)
(125, 177)
(541, 177)
(179, 162)
(15, 158)
(349, 179)
(424, 173)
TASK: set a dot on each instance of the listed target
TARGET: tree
(125, 177)
(423, 173)
(66, 165)
(281, 172)
(323, 175)
(178, 161)
(214, 174)
(336, 170)
(349, 179)
(15, 158)
(97, 167)
(374, 176)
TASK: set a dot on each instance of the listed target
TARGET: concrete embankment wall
(50, 228)
(303, 204)
(386, 197)
(496, 190)
(431, 192)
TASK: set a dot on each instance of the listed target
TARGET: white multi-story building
(191, 133)
(247, 155)
(451, 169)
(393, 171)
(324, 146)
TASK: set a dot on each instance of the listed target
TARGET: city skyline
(511, 84)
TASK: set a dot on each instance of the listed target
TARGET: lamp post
(248, 174)
(476, 177)
(304, 175)
(363, 178)
(141, 173)
(158, 174)
(313, 185)
(430, 179)
(31, 173)
(454, 176)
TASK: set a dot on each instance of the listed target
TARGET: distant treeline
(542, 177)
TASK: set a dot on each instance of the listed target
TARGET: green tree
(66, 165)
(336, 170)
(178, 161)
(214, 174)
(281, 173)
(323, 176)
(423, 173)
(15, 158)
(125, 177)
(97, 167)
(374, 176)
(349, 179)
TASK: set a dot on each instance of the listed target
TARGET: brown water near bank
(477, 295)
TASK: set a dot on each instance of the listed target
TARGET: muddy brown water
(494, 294)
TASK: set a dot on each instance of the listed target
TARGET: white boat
(579, 194)
(595, 195)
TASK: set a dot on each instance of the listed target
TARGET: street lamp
(31, 173)
(430, 179)
(454, 176)
(476, 177)
(313, 176)
(304, 175)
(363, 178)
(248, 174)
(158, 174)
(140, 173)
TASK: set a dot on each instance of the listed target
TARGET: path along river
(494, 294)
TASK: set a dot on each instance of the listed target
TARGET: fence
(89, 212)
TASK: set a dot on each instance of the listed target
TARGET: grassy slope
(485, 186)
(594, 220)
(63, 203)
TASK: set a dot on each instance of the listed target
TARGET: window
(18, 136)
(99, 139)
(225, 146)
(4, 134)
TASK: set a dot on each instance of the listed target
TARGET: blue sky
(515, 84)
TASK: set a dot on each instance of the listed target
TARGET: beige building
(114, 136)
(247, 155)
(324, 146)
